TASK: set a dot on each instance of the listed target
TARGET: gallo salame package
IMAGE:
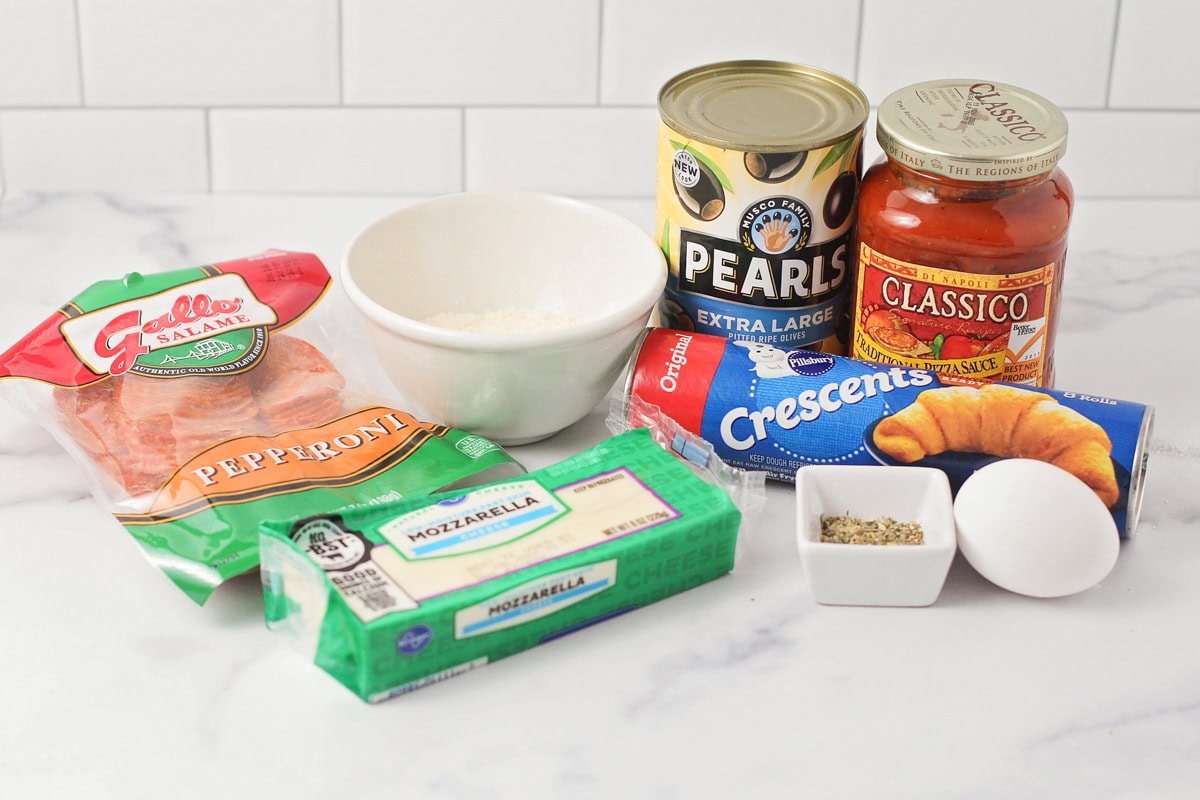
(202, 401)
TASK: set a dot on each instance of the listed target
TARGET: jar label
(990, 327)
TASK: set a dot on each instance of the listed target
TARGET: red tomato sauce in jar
(962, 233)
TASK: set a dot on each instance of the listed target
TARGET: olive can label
(759, 243)
(986, 327)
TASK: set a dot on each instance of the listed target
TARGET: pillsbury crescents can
(777, 410)
(758, 171)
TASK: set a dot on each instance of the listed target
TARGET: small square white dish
(875, 574)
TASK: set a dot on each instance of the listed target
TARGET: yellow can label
(759, 244)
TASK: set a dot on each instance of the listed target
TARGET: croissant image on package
(1002, 421)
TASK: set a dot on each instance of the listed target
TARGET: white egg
(1035, 529)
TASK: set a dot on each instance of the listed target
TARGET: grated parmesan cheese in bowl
(556, 294)
(509, 320)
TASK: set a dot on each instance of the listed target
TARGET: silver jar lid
(972, 130)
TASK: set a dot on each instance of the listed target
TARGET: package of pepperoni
(202, 401)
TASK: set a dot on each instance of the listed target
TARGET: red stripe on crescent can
(673, 370)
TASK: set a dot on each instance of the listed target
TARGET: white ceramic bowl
(872, 574)
(479, 252)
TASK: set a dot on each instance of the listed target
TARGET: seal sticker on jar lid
(972, 130)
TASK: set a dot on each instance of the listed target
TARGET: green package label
(393, 597)
(197, 416)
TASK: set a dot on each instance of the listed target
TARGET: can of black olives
(758, 170)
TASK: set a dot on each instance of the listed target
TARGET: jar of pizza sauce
(962, 232)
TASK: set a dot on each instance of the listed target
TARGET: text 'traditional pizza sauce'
(962, 232)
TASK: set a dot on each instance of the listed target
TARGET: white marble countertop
(114, 685)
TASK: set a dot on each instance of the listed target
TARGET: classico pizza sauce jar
(962, 233)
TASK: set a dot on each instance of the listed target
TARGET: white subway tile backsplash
(1133, 154)
(209, 52)
(39, 65)
(1058, 48)
(347, 151)
(1156, 60)
(601, 152)
(646, 43)
(1105, 227)
(407, 97)
(529, 52)
(87, 150)
(638, 210)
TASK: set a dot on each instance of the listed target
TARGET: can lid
(1137, 473)
(972, 130)
(762, 106)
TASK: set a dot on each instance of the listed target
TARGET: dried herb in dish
(847, 529)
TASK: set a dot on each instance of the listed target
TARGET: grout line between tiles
(79, 55)
(1112, 56)
(208, 149)
(336, 107)
(462, 145)
(245, 107)
(3, 180)
(341, 52)
(302, 196)
(599, 53)
(349, 108)
(858, 48)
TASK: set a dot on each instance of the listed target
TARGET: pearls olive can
(759, 164)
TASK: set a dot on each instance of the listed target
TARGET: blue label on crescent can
(776, 410)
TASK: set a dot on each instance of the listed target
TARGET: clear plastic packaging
(746, 488)
(201, 401)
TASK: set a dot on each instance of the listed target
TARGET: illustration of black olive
(774, 167)
(675, 317)
(706, 199)
(840, 200)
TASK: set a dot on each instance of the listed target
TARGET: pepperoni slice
(170, 420)
(196, 400)
(296, 386)
(88, 414)
(140, 429)
(93, 418)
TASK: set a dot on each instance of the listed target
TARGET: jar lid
(972, 130)
(762, 106)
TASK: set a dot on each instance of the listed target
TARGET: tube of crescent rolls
(775, 410)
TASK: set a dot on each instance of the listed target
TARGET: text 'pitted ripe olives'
(759, 164)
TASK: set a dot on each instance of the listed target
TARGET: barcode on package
(370, 593)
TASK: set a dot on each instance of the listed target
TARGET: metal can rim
(672, 113)
(631, 364)
(1137, 473)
